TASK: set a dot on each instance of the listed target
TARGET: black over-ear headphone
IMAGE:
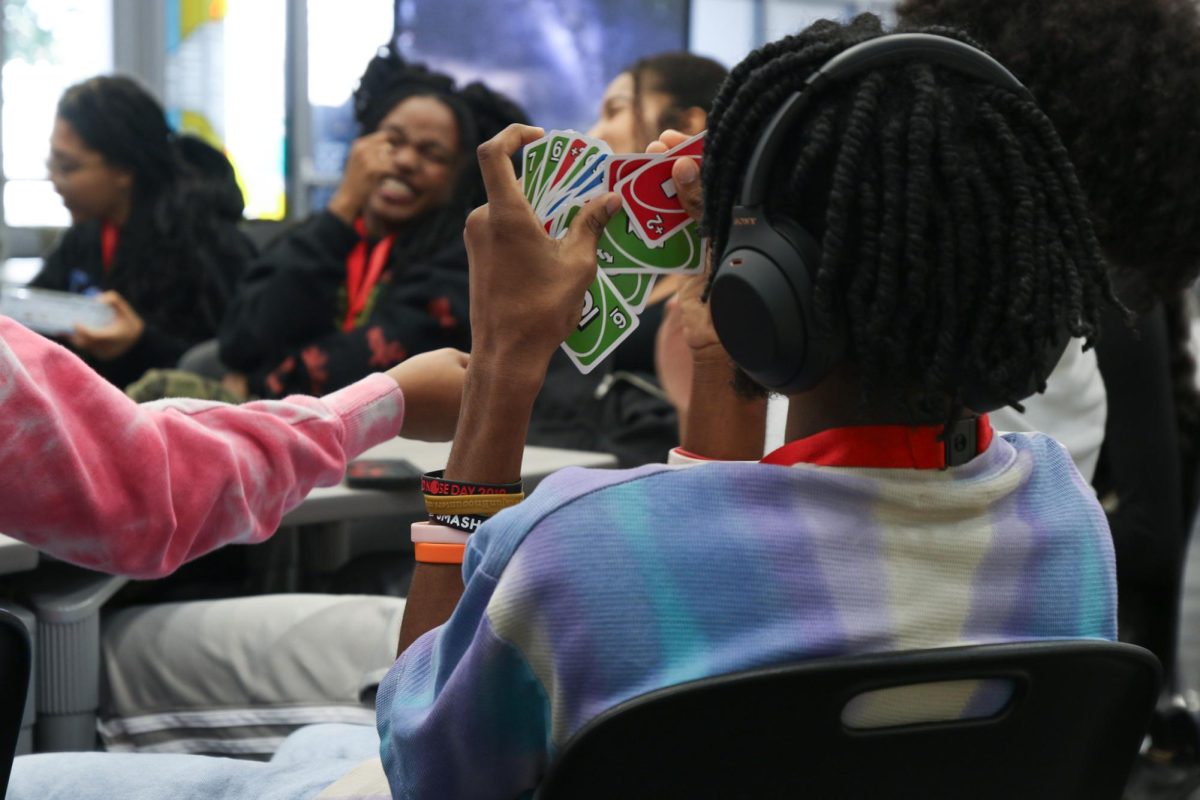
(762, 296)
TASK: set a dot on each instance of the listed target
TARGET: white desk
(16, 556)
(341, 503)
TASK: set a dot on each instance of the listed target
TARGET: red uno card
(692, 147)
(651, 201)
(622, 166)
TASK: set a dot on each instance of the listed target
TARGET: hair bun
(493, 111)
(387, 74)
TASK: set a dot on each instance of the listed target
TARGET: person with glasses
(154, 227)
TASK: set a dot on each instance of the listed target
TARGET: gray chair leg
(67, 605)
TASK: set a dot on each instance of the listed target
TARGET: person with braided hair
(1120, 80)
(955, 252)
(867, 532)
(380, 274)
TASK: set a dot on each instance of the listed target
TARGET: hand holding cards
(649, 235)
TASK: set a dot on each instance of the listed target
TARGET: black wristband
(460, 522)
(433, 483)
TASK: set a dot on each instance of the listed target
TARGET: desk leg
(436, 590)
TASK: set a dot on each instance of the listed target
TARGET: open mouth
(394, 190)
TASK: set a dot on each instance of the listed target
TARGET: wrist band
(479, 505)
(433, 483)
(437, 534)
(439, 553)
(467, 523)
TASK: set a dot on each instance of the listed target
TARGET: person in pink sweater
(93, 478)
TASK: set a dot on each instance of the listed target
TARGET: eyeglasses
(65, 168)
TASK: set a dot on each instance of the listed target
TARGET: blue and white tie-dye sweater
(604, 585)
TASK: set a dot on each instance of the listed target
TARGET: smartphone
(387, 474)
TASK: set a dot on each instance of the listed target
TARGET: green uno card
(556, 148)
(634, 288)
(531, 162)
(621, 250)
(606, 322)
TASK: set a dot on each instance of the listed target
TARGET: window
(226, 83)
(49, 45)
(343, 35)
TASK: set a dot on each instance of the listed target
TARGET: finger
(495, 162)
(377, 137)
(585, 230)
(672, 138)
(654, 148)
(686, 174)
(118, 303)
(84, 337)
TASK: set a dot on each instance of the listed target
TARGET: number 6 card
(606, 322)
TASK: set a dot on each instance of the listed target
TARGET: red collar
(361, 274)
(110, 238)
(885, 446)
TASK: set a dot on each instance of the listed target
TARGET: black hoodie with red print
(284, 328)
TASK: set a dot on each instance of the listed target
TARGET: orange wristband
(439, 553)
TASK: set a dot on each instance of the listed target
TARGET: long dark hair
(689, 80)
(955, 237)
(183, 191)
(480, 113)
(1120, 80)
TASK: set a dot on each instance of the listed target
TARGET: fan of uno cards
(649, 235)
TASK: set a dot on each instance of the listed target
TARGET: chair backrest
(15, 659)
(1070, 728)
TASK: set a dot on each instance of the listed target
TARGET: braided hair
(955, 240)
(1120, 79)
(480, 114)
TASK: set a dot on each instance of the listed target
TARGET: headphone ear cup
(825, 350)
(762, 300)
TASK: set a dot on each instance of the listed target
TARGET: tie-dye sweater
(93, 478)
(602, 586)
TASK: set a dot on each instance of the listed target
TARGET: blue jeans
(309, 760)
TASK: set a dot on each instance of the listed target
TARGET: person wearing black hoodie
(154, 230)
(381, 273)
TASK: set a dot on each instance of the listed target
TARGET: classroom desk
(16, 556)
(341, 503)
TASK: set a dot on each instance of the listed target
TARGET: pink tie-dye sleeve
(95, 479)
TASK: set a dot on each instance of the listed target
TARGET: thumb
(587, 226)
(686, 173)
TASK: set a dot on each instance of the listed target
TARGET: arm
(515, 334)
(138, 490)
(715, 421)
(423, 308)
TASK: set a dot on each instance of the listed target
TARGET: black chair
(15, 660)
(1071, 728)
